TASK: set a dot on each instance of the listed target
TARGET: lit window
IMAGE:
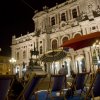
(54, 44)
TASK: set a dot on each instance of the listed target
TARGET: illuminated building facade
(55, 25)
(5, 66)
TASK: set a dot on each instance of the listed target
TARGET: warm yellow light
(93, 44)
(97, 41)
(12, 60)
(96, 44)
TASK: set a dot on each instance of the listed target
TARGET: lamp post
(97, 48)
(12, 61)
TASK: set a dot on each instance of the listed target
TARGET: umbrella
(82, 41)
(53, 55)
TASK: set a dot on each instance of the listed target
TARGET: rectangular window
(63, 17)
(53, 21)
(74, 13)
(40, 49)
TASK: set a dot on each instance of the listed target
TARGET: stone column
(20, 71)
(79, 65)
(73, 62)
(87, 61)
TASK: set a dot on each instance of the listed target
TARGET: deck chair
(78, 85)
(5, 84)
(30, 86)
(56, 85)
(15, 89)
(94, 89)
(80, 81)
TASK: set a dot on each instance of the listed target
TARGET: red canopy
(82, 41)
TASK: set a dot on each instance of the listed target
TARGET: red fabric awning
(82, 41)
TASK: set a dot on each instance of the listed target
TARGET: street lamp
(12, 61)
(97, 48)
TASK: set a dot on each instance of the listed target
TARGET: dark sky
(16, 19)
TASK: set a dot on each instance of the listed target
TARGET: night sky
(16, 19)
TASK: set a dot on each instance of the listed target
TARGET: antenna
(28, 5)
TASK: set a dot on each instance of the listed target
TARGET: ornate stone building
(55, 25)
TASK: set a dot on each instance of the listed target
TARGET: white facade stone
(81, 17)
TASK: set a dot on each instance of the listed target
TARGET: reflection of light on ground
(96, 44)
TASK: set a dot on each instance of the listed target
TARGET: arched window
(74, 13)
(40, 49)
(54, 44)
(64, 39)
(63, 17)
(77, 35)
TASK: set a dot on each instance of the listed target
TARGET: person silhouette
(62, 70)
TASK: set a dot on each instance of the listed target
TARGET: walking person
(62, 70)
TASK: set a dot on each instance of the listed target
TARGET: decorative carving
(63, 24)
(38, 32)
(98, 10)
(96, 13)
(56, 5)
(36, 11)
(82, 17)
(45, 8)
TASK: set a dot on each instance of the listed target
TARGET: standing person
(62, 70)
(73, 74)
(66, 67)
(45, 65)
